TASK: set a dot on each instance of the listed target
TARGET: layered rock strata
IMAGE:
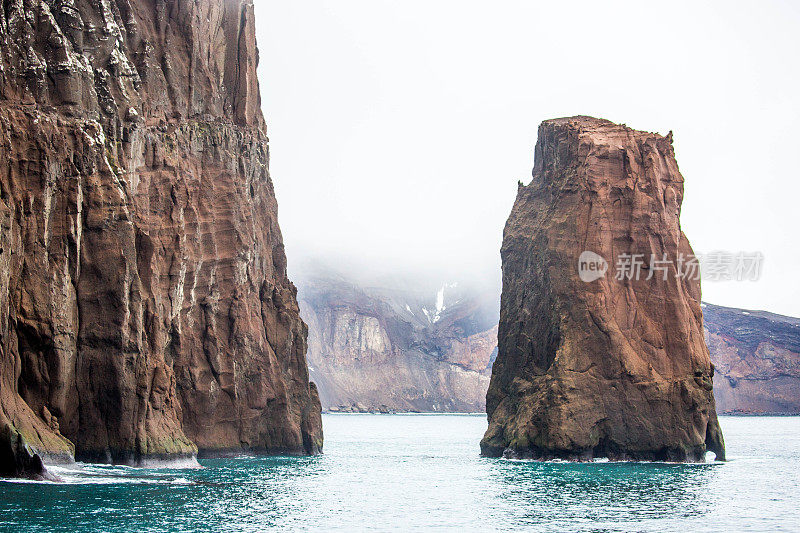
(386, 347)
(614, 368)
(145, 310)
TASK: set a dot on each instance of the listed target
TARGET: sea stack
(600, 345)
(145, 311)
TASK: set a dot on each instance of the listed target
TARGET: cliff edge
(145, 310)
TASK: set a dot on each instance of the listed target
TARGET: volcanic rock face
(606, 368)
(398, 347)
(145, 309)
(757, 360)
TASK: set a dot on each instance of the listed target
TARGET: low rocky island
(600, 367)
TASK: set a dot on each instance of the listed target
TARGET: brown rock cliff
(615, 369)
(145, 310)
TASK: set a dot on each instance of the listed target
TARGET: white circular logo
(591, 266)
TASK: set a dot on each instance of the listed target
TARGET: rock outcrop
(757, 360)
(145, 310)
(606, 368)
(398, 345)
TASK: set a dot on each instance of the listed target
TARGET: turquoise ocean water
(422, 472)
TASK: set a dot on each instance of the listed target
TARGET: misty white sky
(399, 129)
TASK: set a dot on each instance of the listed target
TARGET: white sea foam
(604, 460)
(152, 472)
(172, 464)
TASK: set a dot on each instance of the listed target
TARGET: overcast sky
(399, 129)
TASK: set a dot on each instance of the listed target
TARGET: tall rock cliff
(145, 309)
(607, 368)
(398, 344)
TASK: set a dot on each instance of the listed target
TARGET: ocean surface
(423, 472)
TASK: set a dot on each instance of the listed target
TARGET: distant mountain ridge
(757, 360)
(394, 344)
